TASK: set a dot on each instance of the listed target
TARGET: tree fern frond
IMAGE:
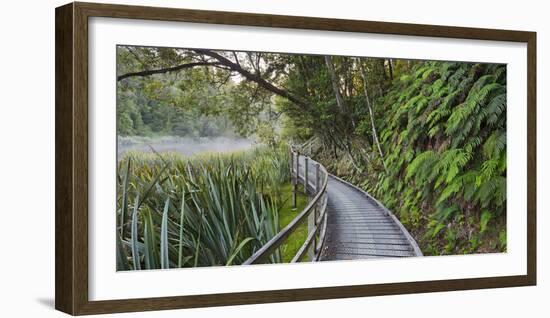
(495, 144)
(488, 169)
(480, 83)
(500, 75)
(449, 190)
(421, 165)
(495, 187)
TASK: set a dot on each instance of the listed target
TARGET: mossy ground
(286, 215)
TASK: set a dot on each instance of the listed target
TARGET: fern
(480, 83)
(485, 218)
(445, 145)
(421, 166)
(496, 107)
(492, 190)
(500, 75)
(495, 144)
(449, 190)
(444, 213)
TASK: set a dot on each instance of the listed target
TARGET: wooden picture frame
(71, 170)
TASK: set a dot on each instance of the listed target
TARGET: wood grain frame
(71, 157)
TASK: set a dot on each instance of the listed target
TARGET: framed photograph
(211, 158)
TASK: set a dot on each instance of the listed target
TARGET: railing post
(296, 180)
(291, 166)
(311, 222)
(306, 165)
(311, 228)
(297, 164)
(316, 209)
(316, 178)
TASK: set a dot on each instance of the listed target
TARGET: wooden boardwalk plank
(374, 247)
(375, 242)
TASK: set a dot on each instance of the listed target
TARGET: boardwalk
(344, 222)
(359, 227)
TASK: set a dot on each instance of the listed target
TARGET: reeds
(207, 210)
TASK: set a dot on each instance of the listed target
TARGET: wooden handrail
(311, 237)
(319, 198)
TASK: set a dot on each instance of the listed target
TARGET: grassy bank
(287, 214)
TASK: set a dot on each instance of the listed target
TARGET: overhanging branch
(225, 63)
(166, 70)
(253, 77)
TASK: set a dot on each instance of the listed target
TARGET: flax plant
(206, 210)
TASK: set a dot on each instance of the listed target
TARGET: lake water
(183, 145)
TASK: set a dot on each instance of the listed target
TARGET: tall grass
(211, 209)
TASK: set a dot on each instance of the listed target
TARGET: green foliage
(485, 218)
(442, 129)
(157, 106)
(459, 166)
(427, 138)
(199, 211)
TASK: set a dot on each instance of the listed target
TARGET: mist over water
(184, 145)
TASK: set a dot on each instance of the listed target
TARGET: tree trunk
(390, 67)
(374, 133)
(382, 67)
(335, 86)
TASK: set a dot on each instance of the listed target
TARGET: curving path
(358, 226)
